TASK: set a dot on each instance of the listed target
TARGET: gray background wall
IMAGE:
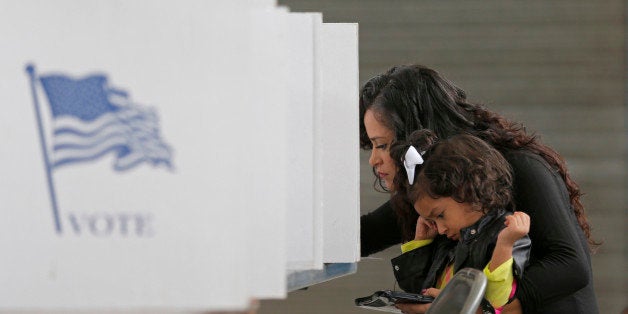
(556, 66)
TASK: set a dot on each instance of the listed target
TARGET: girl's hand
(413, 308)
(409, 308)
(517, 226)
(425, 229)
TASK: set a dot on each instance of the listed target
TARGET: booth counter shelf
(299, 279)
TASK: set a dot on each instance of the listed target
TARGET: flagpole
(30, 69)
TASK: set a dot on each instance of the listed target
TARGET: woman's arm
(379, 230)
(559, 263)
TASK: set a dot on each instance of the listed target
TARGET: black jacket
(419, 269)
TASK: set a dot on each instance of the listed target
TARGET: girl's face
(448, 215)
(381, 137)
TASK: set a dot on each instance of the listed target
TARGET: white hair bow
(410, 161)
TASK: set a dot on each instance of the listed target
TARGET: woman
(409, 98)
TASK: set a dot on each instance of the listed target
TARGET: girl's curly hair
(462, 167)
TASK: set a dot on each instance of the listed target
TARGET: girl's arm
(499, 271)
(517, 226)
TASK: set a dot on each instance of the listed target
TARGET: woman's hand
(425, 229)
(409, 308)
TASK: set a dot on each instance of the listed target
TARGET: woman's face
(381, 137)
(448, 215)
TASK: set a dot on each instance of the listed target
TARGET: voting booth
(175, 156)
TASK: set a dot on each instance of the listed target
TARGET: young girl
(463, 195)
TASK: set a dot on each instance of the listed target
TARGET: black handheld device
(388, 298)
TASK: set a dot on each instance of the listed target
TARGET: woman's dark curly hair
(414, 97)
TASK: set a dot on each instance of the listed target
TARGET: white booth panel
(337, 144)
(136, 202)
(267, 127)
(304, 239)
(318, 99)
